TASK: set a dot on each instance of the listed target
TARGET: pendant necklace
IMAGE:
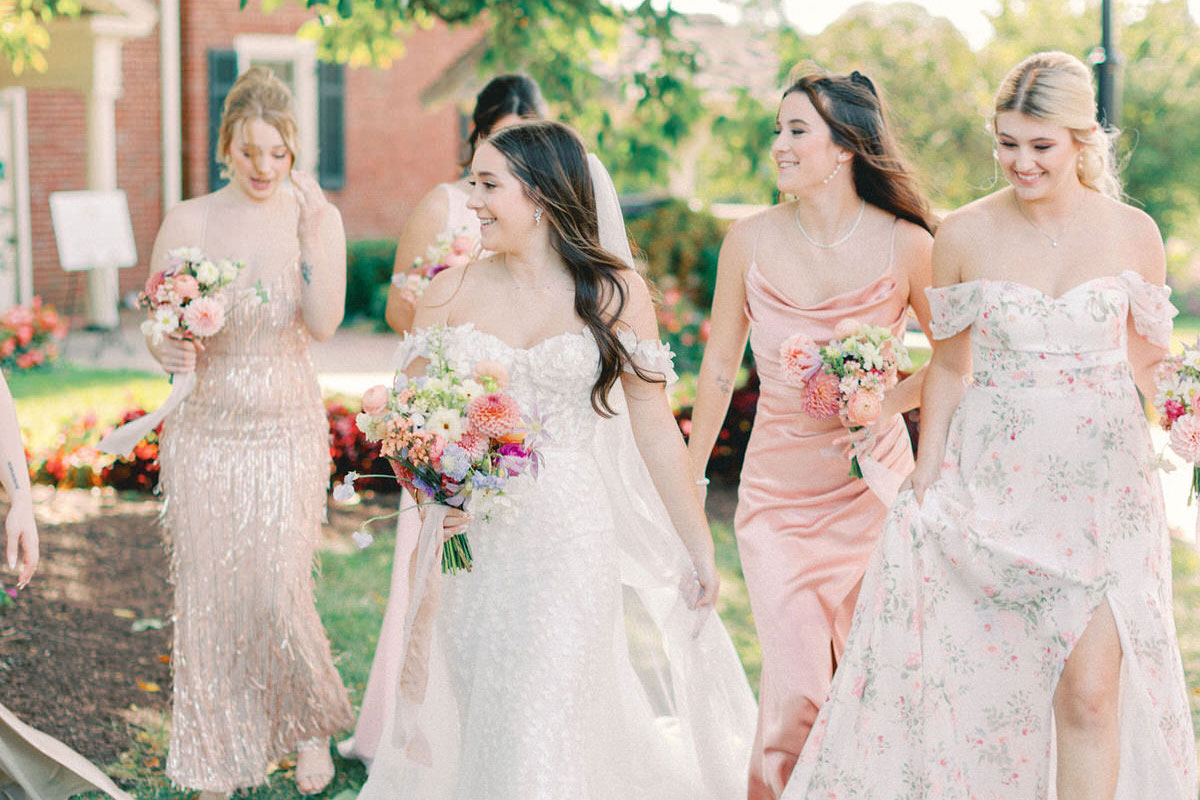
(1054, 240)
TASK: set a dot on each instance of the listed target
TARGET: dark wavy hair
(505, 94)
(854, 112)
(550, 161)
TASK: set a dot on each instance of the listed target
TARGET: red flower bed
(29, 335)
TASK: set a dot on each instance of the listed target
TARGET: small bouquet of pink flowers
(460, 440)
(189, 299)
(1178, 404)
(444, 253)
(847, 377)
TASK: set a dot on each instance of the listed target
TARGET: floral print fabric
(1048, 504)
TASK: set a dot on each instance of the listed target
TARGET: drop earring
(537, 217)
(833, 174)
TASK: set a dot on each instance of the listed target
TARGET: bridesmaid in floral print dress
(1014, 636)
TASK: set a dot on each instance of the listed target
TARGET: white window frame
(303, 55)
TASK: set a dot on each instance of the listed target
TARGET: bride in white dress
(580, 658)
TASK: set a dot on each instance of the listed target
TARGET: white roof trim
(135, 19)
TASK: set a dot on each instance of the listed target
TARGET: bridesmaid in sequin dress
(245, 467)
(441, 214)
(854, 244)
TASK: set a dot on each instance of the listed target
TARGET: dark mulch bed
(70, 659)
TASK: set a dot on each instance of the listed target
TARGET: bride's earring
(537, 217)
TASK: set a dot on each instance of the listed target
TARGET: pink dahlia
(475, 445)
(1185, 438)
(204, 316)
(493, 415)
(799, 359)
(822, 396)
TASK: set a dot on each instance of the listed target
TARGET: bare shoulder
(433, 209)
(1139, 240)
(637, 312)
(743, 233)
(184, 223)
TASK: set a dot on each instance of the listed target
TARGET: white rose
(447, 422)
(207, 273)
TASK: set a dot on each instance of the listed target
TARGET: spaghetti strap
(204, 223)
(754, 249)
(892, 247)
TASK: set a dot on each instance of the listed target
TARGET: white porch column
(103, 290)
(172, 116)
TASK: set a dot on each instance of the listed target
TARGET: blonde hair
(257, 94)
(1057, 88)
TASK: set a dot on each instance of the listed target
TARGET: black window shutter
(331, 112)
(222, 73)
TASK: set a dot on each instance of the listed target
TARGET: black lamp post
(1107, 62)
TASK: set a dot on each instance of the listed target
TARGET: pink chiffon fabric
(379, 698)
(805, 528)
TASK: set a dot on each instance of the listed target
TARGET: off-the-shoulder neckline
(1043, 293)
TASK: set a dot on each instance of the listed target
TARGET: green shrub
(680, 247)
(368, 273)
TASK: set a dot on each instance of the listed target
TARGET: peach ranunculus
(1185, 438)
(375, 400)
(800, 359)
(493, 370)
(462, 244)
(204, 316)
(864, 408)
(846, 327)
(493, 415)
(187, 287)
(822, 396)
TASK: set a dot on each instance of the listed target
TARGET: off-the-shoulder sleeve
(650, 355)
(953, 308)
(1150, 305)
(414, 345)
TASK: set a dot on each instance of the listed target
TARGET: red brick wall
(396, 150)
(57, 162)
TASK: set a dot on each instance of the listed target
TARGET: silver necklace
(862, 209)
(1054, 240)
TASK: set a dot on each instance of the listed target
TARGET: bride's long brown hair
(550, 161)
(854, 112)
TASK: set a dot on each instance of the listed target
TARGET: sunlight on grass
(49, 400)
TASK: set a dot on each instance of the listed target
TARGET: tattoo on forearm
(12, 473)
(724, 384)
(306, 272)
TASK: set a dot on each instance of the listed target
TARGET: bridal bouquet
(189, 299)
(458, 439)
(444, 253)
(1178, 404)
(847, 377)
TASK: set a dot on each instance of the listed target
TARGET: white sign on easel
(93, 232)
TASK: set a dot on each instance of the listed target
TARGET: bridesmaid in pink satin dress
(855, 243)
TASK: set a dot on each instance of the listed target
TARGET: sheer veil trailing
(681, 667)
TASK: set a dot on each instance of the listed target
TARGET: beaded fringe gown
(245, 467)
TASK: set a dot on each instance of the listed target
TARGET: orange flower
(493, 415)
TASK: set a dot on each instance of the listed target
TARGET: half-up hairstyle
(550, 161)
(257, 94)
(503, 95)
(1056, 87)
(854, 112)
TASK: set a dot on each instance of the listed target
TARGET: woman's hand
(456, 522)
(177, 355)
(920, 479)
(701, 587)
(21, 530)
(313, 205)
(859, 443)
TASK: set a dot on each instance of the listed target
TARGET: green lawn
(48, 400)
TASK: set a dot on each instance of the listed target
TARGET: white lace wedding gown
(563, 665)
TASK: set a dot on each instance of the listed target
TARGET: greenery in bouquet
(452, 438)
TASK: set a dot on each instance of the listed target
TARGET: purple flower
(423, 486)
